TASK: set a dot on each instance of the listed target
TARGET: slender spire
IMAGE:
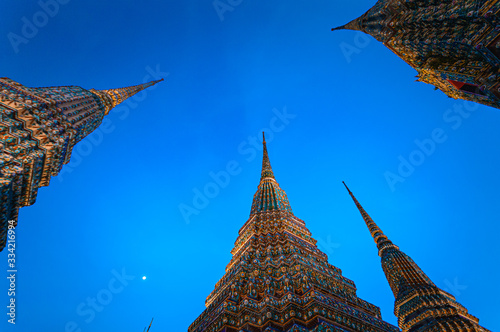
(267, 171)
(353, 25)
(419, 304)
(113, 97)
(269, 195)
(149, 325)
(277, 276)
(380, 238)
(373, 22)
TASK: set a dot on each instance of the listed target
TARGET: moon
(144, 278)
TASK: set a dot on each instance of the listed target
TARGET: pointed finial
(353, 25)
(267, 171)
(150, 324)
(380, 238)
(269, 195)
(113, 97)
(342, 27)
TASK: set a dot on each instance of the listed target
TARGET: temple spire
(114, 97)
(267, 171)
(269, 195)
(149, 326)
(353, 25)
(444, 41)
(48, 122)
(279, 280)
(373, 22)
(419, 304)
(380, 238)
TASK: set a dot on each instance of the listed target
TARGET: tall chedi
(278, 279)
(420, 305)
(38, 130)
(453, 45)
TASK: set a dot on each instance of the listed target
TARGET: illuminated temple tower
(453, 45)
(38, 129)
(420, 305)
(278, 280)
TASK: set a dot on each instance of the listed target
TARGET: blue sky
(336, 106)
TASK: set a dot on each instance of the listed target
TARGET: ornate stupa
(453, 45)
(38, 129)
(419, 304)
(278, 279)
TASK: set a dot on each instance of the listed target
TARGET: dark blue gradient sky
(336, 106)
